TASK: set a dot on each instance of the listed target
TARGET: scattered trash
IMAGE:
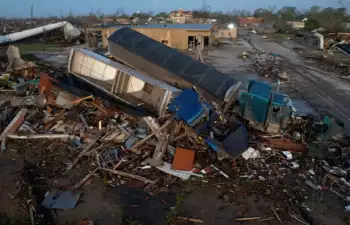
(347, 208)
(294, 165)
(288, 155)
(61, 200)
(185, 175)
(251, 153)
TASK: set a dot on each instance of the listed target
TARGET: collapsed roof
(167, 64)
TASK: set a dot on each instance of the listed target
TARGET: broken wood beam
(78, 101)
(14, 124)
(190, 219)
(40, 136)
(81, 154)
(276, 214)
(138, 144)
(158, 154)
(153, 124)
(12, 127)
(125, 174)
(86, 178)
(249, 218)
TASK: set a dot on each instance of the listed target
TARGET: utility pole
(31, 15)
(205, 6)
(32, 11)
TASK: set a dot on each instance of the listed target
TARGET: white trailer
(122, 81)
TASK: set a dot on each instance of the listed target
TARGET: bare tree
(205, 7)
(119, 12)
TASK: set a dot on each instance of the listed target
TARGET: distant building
(226, 33)
(181, 16)
(179, 36)
(296, 24)
(211, 20)
(107, 20)
(122, 21)
(161, 19)
(246, 21)
(311, 39)
(266, 28)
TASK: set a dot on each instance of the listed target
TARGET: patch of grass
(6, 220)
(171, 216)
(30, 47)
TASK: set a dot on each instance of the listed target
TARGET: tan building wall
(178, 19)
(226, 33)
(174, 38)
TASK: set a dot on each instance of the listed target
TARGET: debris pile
(81, 130)
(266, 64)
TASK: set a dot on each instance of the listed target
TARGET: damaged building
(179, 36)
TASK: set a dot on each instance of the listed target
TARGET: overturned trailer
(125, 83)
(171, 66)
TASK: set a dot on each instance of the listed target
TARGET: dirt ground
(213, 199)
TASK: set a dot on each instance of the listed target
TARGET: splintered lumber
(78, 101)
(86, 178)
(125, 174)
(40, 136)
(15, 124)
(190, 219)
(276, 214)
(138, 144)
(249, 218)
(85, 150)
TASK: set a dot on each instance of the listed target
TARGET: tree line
(331, 19)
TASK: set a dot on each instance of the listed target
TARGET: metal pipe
(31, 32)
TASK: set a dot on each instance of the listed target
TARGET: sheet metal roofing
(186, 26)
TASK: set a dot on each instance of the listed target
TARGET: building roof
(267, 25)
(181, 11)
(186, 26)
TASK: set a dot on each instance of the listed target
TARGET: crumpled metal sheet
(61, 200)
(178, 64)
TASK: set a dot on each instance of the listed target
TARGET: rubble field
(74, 150)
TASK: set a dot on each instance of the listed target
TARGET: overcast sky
(21, 8)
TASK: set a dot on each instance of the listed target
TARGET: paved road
(324, 90)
